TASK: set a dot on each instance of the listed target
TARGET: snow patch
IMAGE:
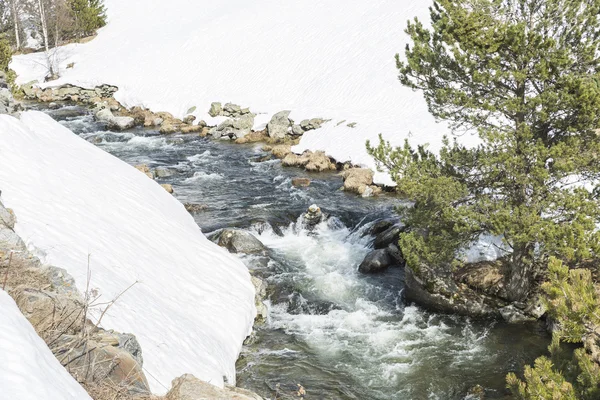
(194, 302)
(330, 59)
(29, 370)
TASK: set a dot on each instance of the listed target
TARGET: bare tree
(15, 6)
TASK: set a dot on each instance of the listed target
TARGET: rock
(260, 288)
(7, 217)
(300, 182)
(101, 361)
(29, 89)
(252, 137)
(105, 115)
(279, 125)
(314, 123)
(281, 150)
(189, 119)
(387, 237)
(162, 172)
(486, 276)
(378, 227)
(513, 315)
(360, 181)
(396, 254)
(54, 106)
(188, 387)
(145, 170)
(51, 314)
(297, 130)
(232, 110)
(237, 241)
(313, 217)
(195, 208)
(376, 261)
(215, 109)
(62, 282)
(167, 187)
(319, 161)
(234, 128)
(433, 288)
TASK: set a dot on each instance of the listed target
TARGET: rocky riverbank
(280, 132)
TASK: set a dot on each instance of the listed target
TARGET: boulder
(281, 150)
(237, 241)
(188, 387)
(232, 110)
(313, 217)
(300, 182)
(105, 115)
(308, 125)
(387, 237)
(162, 172)
(189, 119)
(360, 181)
(376, 261)
(396, 254)
(279, 125)
(378, 227)
(297, 130)
(234, 128)
(319, 161)
(260, 288)
(100, 360)
(215, 109)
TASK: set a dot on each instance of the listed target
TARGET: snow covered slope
(331, 59)
(193, 304)
(28, 369)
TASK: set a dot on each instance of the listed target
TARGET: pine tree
(89, 16)
(524, 76)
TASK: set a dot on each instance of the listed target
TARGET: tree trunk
(44, 23)
(520, 279)
(16, 22)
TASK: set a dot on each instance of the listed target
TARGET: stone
(195, 208)
(145, 169)
(162, 172)
(279, 125)
(121, 123)
(297, 130)
(357, 180)
(7, 217)
(188, 387)
(29, 89)
(62, 282)
(376, 261)
(237, 241)
(319, 162)
(396, 254)
(54, 106)
(101, 361)
(260, 289)
(313, 217)
(281, 150)
(513, 315)
(51, 314)
(387, 237)
(234, 128)
(215, 109)
(167, 187)
(300, 182)
(189, 119)
(378, 227)
(232, 110)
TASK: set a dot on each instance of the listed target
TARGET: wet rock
(260, 287)
(162, 172)
(105, 115)
(378, 227)
(188, 387)
(434, 289)
(513, 315)
(215, 109)
(376, 261)
(396, 254)
(195, 208)
(313, 217)
(279, 125)
(54, 106)
(237, 241)
(300, 182)
(387, 237)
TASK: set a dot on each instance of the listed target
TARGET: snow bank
(194, 303)
(28, 369)
(331, 59)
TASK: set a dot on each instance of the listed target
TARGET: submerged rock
(376, 261)
(238, 241)
(300, 182)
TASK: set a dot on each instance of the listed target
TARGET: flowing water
(339, 334)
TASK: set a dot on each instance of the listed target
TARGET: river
(337, 333)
